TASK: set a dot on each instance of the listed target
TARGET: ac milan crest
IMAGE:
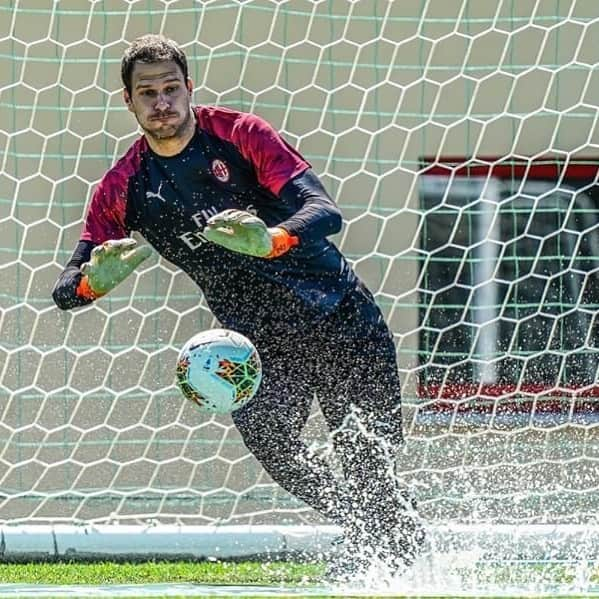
(220, 170)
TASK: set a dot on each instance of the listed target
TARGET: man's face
(159, 99)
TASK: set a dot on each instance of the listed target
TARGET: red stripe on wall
(511, 168)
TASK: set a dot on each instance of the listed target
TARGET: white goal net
(460, 140)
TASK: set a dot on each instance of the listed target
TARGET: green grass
(308, 575)
(162, 572)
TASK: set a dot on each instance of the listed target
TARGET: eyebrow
(167, 80)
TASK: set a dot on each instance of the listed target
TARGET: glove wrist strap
(282, 242)
(84, 290)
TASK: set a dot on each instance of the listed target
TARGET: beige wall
(364, 89)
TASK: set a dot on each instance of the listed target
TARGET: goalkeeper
(222, 196)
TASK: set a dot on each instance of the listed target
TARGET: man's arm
(316, 216)
(64, 293)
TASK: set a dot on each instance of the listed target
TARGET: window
(509, 278)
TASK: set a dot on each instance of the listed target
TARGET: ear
(127, 100)
(190, 85)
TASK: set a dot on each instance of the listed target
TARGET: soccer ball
(219, 370)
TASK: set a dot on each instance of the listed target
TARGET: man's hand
(239, 231)
(245, 233)
(109, 264)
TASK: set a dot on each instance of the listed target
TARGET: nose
(162, 104)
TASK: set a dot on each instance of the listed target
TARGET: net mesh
(458, 138)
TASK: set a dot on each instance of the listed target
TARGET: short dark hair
(151, 48)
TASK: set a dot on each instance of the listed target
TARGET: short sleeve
(106, 214)
(105, 218)
(275, 161)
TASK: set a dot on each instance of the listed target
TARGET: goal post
(460, 140)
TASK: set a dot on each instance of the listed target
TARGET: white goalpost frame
(532, 543)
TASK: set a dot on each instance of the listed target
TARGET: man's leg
(362, 408)
(360, 399)
(272, 422)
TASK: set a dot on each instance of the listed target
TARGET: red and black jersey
(234, 160)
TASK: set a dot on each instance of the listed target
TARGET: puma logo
(151, 194)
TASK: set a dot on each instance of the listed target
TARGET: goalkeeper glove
(246, 233)
(110, 263)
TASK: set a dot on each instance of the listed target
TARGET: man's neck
(176, 144)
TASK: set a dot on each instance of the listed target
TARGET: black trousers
(349, 362)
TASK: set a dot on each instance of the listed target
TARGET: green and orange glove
(246, 233)
(110, 263)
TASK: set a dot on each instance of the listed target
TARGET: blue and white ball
(219, 370)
